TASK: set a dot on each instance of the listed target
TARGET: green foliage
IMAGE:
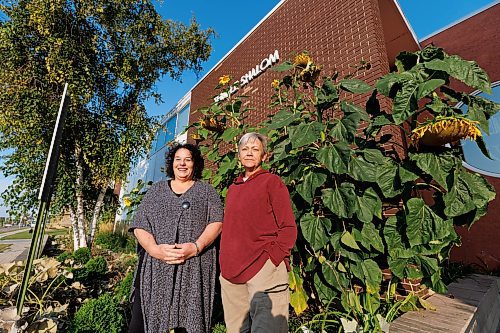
(343, 182)
(97, 266)
(222, 123)
(82, 255)
(123, 289)
(101, 315)
(111, 54)
(95, 269)
(54, 295)
(134, 198)
(116, 242)
(64, 256)
(219, 328)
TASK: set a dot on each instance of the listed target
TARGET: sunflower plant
(374, 211)
(132, 200)
(420, 91)
(360, 206)
(217, 132)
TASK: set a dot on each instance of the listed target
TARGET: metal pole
(44, 196)
(35, 240)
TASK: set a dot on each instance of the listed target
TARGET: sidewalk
(18, 249)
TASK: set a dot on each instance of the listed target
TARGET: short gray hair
(252, 136)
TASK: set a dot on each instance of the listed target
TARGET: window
(182, 120)
(160, 139)
(173, 127)
(473, 157)
(159, 164)
(171, 123)
(152, 168)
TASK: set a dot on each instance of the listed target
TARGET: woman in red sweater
(258, 234)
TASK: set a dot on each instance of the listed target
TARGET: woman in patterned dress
(175, 226)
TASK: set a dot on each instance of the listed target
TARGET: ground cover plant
(376, 190)
(80, 291)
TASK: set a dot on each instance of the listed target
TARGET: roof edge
(460, 20)
(408, 25)
(237, 44)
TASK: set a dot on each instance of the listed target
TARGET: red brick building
(340, 33)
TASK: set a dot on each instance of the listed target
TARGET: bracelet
(197, 249)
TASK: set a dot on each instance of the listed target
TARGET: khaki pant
(260, 305)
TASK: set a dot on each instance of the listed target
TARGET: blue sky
(233, 19)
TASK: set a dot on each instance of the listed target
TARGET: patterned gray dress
(178, 295)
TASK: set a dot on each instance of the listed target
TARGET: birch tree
(111, 52)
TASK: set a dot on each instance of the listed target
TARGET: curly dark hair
(199, 163)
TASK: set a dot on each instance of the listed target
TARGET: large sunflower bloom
(302, 60)
(443, 130)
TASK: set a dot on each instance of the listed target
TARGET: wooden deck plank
(471, 306)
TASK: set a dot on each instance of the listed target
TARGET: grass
(4, 247)
(27, 235)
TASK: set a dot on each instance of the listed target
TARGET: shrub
(101, 315)
(116, 242)
(64, 256)
(82, 255)
(95, 268)
(122, 290)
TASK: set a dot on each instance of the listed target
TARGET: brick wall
(337, 33)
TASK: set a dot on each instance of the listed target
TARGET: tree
(111, 53)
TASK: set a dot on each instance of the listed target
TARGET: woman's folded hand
(188, 250)
(169, 253)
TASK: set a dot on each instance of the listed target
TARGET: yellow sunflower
(127, 202)
(224, 79)
(275, 83)
(443, 130)
(196, 137)
(302, 60)
(212, 124)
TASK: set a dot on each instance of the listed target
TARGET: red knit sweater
(258, 225)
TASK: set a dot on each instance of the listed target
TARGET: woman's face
(252, 154)
(183, 164)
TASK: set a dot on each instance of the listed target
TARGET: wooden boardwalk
(471, 305)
